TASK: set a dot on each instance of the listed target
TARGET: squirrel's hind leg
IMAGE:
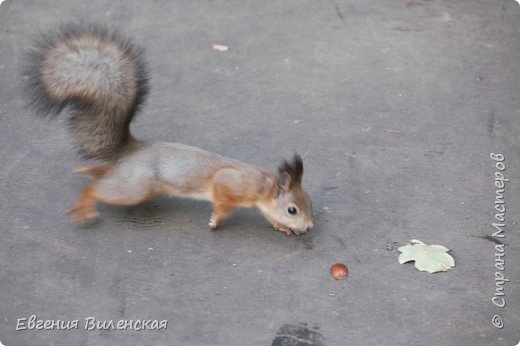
(85, 207)
(92, 171)
(115, 191)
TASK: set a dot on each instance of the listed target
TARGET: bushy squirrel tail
(99, 75)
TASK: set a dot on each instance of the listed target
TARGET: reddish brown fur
(93, 171)
(234, 188)
(85, 207)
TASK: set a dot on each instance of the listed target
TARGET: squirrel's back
(100, 75)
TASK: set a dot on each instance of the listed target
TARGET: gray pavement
(395, 108)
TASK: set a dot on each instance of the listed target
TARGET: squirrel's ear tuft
(293, 168)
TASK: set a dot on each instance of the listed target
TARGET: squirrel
(101, 78)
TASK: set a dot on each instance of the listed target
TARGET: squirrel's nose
(310, 226)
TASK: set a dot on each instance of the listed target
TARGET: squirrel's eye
(292, 210)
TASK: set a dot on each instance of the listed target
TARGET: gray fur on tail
(98, 75)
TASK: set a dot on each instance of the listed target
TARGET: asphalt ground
(395, 107)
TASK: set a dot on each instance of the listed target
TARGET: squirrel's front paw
(212, 225)
(282, 228)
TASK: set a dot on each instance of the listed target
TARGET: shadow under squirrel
(101, 78)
